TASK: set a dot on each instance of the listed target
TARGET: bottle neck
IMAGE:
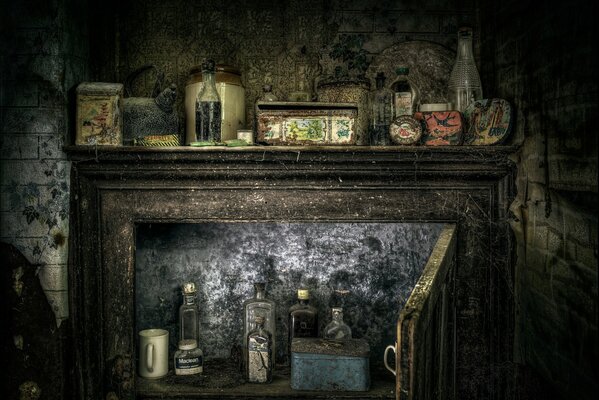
(338, 316)
(260, 294)
(465, 47)
(208, 78)
(189, 299)
(303, 302)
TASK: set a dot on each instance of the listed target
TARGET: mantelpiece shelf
(382, 387)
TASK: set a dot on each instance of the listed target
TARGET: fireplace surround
(115, 189)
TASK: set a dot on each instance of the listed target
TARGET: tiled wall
(44, 54)
(541, 58)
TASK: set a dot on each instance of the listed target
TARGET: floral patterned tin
(99, 114)
(441, 128)
(489, 122)
(405, 130)
(293, 123)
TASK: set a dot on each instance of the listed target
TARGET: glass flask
(259, 305)
(337, 329)
(259, 348)
(382, 111)
(303, 318)
(268, 94)
(208, 107)
(464, 81)
(188, 313)
(406, 95)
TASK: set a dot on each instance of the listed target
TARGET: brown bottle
(303, 318)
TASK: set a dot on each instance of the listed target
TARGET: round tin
(405, 130)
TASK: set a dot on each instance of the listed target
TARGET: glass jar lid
(188, 344)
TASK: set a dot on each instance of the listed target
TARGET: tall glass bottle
(208, 107)
(303, 318)
(337, 328)
(259, 305)
(382, 111)
(406, 95)
(464, 81)
(188, 314)
(260, 357)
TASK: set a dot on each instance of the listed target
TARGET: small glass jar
(189, 359)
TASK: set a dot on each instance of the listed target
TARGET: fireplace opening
(369, 268)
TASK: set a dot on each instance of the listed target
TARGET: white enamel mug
(153, 353)
(390, 347)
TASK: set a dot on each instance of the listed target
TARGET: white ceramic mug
(153, 353)
(390, 347)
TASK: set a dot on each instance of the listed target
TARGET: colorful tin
(292, 123)
(441, 128)
(489, 122)
(332, 365)
(405, 130)
(99, 114)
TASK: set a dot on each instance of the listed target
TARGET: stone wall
(542, 58)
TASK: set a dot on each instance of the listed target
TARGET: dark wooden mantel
(115, 188)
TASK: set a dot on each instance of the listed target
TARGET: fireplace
(458, 195)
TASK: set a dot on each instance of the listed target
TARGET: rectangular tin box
(441, 128)
(306, 123)
(99, 114)
(331, 365)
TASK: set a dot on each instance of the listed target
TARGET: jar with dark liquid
(208, 107)
(303, 318)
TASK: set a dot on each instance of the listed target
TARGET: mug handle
(390, 347)
(150, 357)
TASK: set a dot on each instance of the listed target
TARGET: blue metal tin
(320, 364)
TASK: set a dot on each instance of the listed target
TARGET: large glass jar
(232, 97)
(259, 305)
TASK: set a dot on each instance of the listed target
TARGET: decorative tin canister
(290, 123)
(405, 130)
(489, 122)
(352, 91)
(321, 364)
(441, 127)
(99, 114)
(232, 97)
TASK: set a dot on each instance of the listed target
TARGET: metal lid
(218, 68)
(405, 130)
(344, 348)
(189, 287)
(188, 344)
(431, 107)
(303, 294)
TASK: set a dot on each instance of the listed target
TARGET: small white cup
(390, 347)
(153, 353)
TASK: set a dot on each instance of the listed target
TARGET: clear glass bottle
(189, 358)
(208, 107)
(464, 81)
(406, 95)
(188, 314)
(268, 94)
(382, 112)
(259, 305)
(337, 328)
(260, 358)
(303, 318)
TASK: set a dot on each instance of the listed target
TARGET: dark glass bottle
(382, 112)
(303, 318)
(208, 107)
(259, 305)
(188, 313)
(260, 358)
(405, 94)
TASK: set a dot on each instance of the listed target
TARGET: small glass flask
(188, 314)
(259, 305)
(268, 94)
(464, 81)
(382, 112)
(337, 329)
(303, 318)
(406, 95)
(260, 363)
(208, 107)
(189, 358)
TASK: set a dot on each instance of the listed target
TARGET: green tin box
(331, 365)
(306, 123)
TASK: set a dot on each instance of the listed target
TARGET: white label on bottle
(189, 366)
(403, 103)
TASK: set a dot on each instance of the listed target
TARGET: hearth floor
(223, 380)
